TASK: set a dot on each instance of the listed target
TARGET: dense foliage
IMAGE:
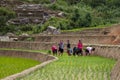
(5, 15)
(86, 13)
(78, 13)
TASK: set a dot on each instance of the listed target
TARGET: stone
(52, 30)
(24, 35)
(10, 34)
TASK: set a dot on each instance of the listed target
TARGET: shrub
(5, 15)
(36, 1)
(49, 52)
(61, 23)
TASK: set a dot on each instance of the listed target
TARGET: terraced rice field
(75, 68)
(12, 65)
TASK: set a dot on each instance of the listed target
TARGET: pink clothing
(54, 48)
(80, 45)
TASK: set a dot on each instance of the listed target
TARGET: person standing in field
(61, 47)
(79, 48)
(68, 48)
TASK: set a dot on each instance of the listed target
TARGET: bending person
(89, 50)
(54, 50)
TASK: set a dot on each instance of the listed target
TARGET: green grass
(12, 65)
(75, 68)
(38, 51)
(85, 28)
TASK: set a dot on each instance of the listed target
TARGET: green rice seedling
(12, 65)
(75, 68)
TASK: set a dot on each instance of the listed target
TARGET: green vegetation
(39, 51)
(80, 29)
(36, 1)
(87, 13)
(75, 68)
(72, 68)
(77, 14)
(12, 65)
(5, 15)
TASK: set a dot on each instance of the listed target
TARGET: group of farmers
(77, 50)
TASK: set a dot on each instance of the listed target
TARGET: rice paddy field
(12, 65)
(74, 68)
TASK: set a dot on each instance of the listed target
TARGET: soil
(115, 31)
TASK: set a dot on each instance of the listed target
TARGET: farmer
(74, 50)
(79, 48)
(68, 48)
(89, 50)
(61, 47)
(54, 50)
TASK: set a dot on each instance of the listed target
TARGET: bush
(80, 18)
(37, 1)
(5, 15)
(49, 52)
(61, 23)
(79, 13)
(26, 28)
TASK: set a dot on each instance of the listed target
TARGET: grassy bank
(37, 51)
(84, 28)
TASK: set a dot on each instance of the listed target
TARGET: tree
(5, 15)
(95, 3)
(73, 1)
(88, 20)
(75, 18)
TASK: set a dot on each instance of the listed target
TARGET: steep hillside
(75, 14)
(10, 3)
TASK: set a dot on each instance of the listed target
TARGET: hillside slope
(76, 14)
(115, 31)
